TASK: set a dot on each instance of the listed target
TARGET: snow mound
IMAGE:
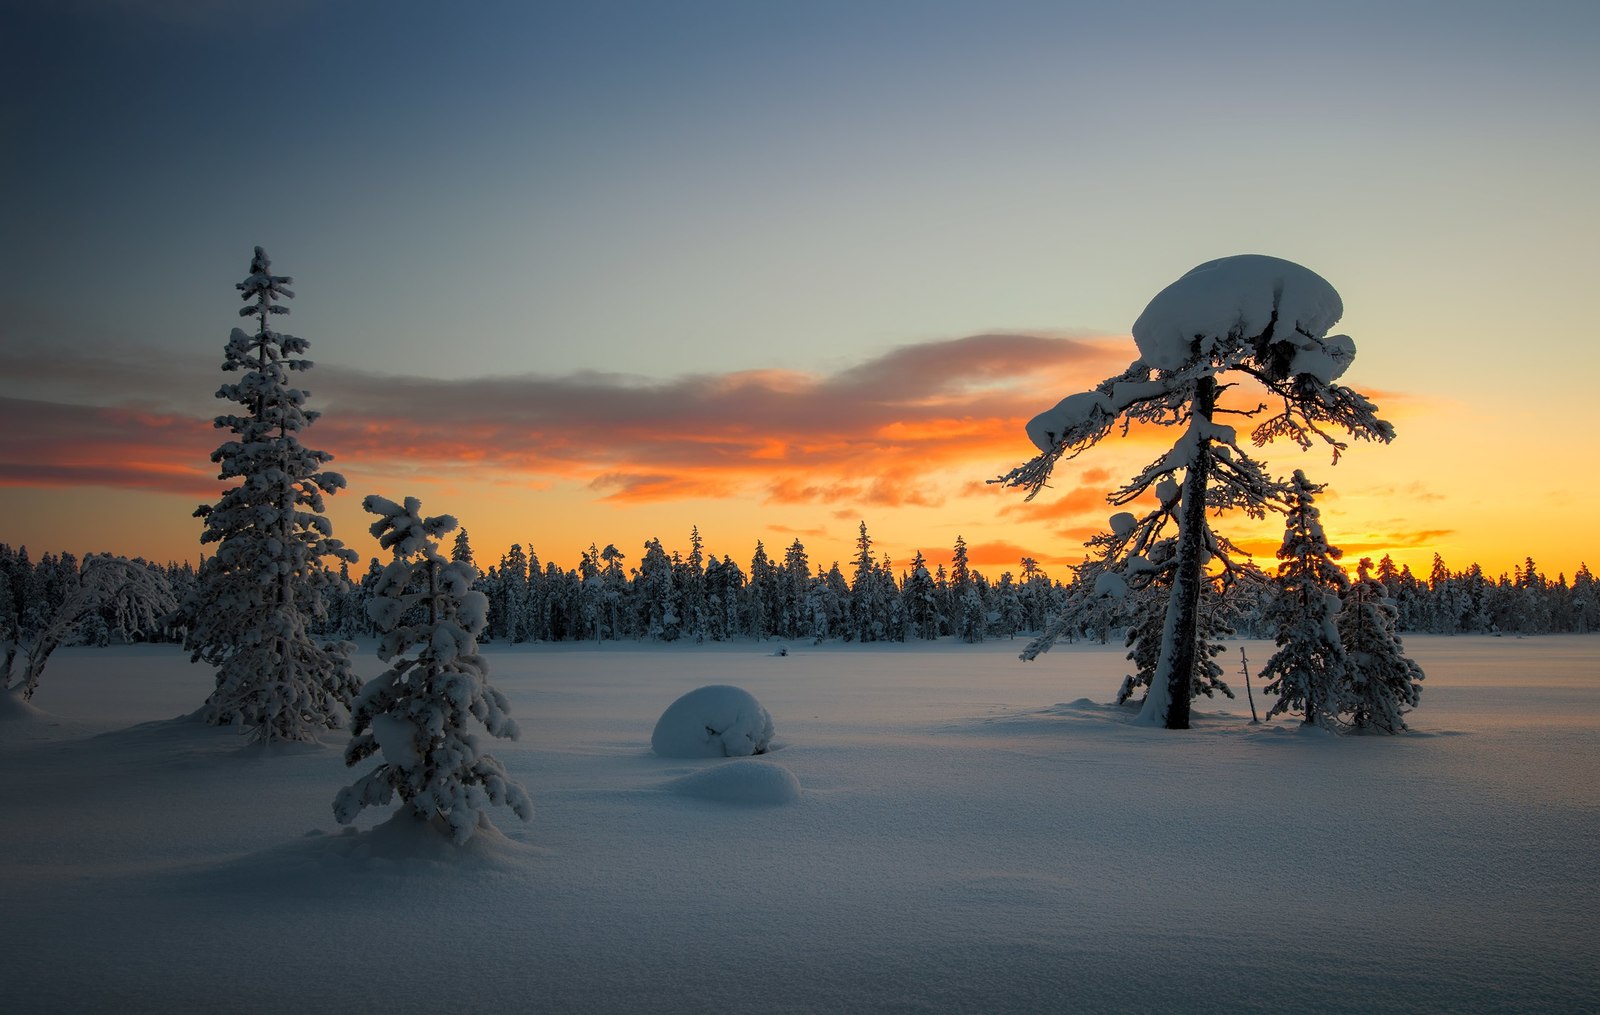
(744, 781)
(1237, 295)
(317, 865)
(13, 707)
(405, 838)
(716, 721)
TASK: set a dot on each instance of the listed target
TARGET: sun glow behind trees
(777, 462)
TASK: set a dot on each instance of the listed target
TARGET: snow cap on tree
(1244, 296)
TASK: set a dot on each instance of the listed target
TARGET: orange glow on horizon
(766, 455)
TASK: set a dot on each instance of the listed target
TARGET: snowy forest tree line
(700, 596)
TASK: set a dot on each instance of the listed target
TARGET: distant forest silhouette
(695, 596)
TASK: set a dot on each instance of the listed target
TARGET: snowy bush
(1306, 671)
(417, 712)
(1381, 683)
(717, 721)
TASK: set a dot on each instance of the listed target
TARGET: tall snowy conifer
(418, 711)
(1307, 670)
(268, 579)
(1235, 319)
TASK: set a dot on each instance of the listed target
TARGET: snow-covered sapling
(1242, 318)
(419, 712)
(268, 579)
(1381, 683)
(1308, 669)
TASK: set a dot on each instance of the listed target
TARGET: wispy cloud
(871, 434)
(887, 432)
(1371, 544)
(53, 444)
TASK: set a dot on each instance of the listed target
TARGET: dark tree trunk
(1190, 570)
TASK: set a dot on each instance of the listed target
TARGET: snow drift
(741, 781)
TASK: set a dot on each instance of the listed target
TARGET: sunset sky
(598, 272)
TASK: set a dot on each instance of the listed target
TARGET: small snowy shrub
(1381, 683)
(717, 721)
(417, 712)
(1307, 670)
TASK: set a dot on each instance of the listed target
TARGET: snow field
(970, 833)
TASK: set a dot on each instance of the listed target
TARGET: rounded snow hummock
(744, 781)
(12, 706)
(717, 721)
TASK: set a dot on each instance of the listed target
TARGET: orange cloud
(1001, 555)
(48, 444)
(868, 435)
(1390, 541)
(887, 432)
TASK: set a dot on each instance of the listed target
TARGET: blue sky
(697, 188)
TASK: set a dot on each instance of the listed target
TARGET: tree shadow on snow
(400, 849)
(186, 741)
(1087, 717)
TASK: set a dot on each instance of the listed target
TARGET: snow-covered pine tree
(591, 596)
(419, 711)
(1380, 682)
(268, 580)
(461, 549)
(657, 607)
(1308, 670)
(613, 591)
(892, 618)
(795, 616)
(866, 608)
(760, 594)
(1585, 600)
(1008, 606)
(1248, 317)
(690, 580)
(921, 600)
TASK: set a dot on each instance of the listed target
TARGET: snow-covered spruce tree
(1380, 682)
(417, 712)
(268, 579)
(1308, 669)
(1242, 318)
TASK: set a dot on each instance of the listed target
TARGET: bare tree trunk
(1190, 569)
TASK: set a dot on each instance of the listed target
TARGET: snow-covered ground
(971, 833)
